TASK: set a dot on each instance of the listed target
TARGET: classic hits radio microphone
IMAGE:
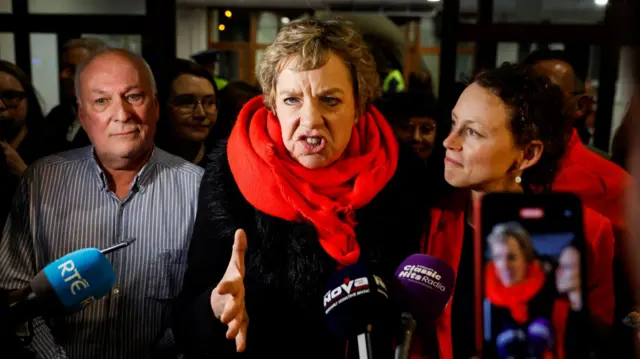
(67, 285)
(540, 336)
(422, 288)
(355, 305)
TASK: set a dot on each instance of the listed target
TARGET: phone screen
(532, 268)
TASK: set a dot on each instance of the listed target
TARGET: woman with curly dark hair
(508, 134)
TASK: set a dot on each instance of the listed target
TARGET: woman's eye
(471, 132)
(331, 101)
(290, 101)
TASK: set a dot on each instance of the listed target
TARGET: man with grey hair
(122, 187)
(64, 117)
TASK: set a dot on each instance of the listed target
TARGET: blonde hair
(311, 41)
(502, 232)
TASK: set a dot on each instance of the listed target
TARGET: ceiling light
(433, 0)
(601, 2)
(285, 20)
(221, 27)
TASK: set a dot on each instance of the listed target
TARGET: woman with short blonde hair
(312, 42)
(311, 180)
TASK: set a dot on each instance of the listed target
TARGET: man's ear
(582, 106)
(530, 155)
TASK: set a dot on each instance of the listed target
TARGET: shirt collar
(142, 179)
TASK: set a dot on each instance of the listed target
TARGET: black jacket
(286, 267)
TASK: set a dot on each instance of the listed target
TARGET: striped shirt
(63, 204)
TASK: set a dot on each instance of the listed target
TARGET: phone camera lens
(568, 213)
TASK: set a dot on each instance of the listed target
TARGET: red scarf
(516, 297)
(277, 185)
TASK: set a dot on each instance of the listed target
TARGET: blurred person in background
(620, 145)
(508, 134)
(24, 134)
(413, 118)
(209, 60)
(388, 66)
(189, 113)
(632, 27)
(598, 182)
(422, 82)
(64, 117)
(587, 127)
(311, 180)
(578, 94)
(234, 96)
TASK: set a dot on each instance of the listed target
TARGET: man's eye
(135, 97)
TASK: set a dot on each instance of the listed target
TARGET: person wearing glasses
(190, 99)
(23, 134)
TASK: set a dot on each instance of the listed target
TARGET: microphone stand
(408, 326)
(365, 351)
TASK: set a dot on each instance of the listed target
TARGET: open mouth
(313, 144)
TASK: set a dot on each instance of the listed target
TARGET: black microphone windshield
(354, 300)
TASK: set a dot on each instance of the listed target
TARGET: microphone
(511, 343)
(67, 285)
(355, 305)
(540, 338)
(422, 287)
(408, 326)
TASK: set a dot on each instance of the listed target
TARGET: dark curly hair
(536, 113)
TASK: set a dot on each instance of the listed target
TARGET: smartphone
(531, 277)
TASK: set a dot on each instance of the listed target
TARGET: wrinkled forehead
(113, 72)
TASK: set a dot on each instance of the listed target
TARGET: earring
(518, 179)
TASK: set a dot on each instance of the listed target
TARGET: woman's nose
(452, 142)
(310, 115)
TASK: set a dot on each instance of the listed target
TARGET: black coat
(286, 267)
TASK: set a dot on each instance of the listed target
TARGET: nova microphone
(355, 305)
(422, 288)
(66, 286)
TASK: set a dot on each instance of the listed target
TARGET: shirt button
(116, 291)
